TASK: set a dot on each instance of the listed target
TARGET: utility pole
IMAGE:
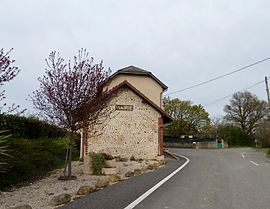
(267, 90)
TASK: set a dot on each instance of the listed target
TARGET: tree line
(246, 119)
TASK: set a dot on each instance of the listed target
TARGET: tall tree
(189, 119)
(246, 111)
(7, 72)
(72, 94)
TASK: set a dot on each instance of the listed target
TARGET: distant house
(135, 127)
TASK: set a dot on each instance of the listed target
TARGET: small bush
(107, 156)
(268, 152)
(98, 161)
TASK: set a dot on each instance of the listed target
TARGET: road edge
(151, 190)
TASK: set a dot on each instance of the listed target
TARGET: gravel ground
(39, 194)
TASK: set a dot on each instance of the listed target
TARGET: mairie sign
(124, 107)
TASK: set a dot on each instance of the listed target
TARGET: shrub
(98, 161)
(107, 156)
(30, 128)
(3, 153)
(268, 152)
(33, 158)
(234, 135)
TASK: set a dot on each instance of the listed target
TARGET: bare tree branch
(7, 72)
(73, 95)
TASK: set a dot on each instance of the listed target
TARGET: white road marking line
(254, 163)
(150, 191)
(243, 155)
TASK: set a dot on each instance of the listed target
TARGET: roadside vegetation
(29, 148)
(268, 152)
(33, 149)
(189, 119)
(246, 122)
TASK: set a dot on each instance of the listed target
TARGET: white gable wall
(145, 84)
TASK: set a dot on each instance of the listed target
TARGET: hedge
(32, 158)
(29, 128)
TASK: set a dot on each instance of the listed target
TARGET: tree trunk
(69, 159)
(66, 162)
(67, 170)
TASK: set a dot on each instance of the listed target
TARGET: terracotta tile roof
(166, 117)
(132, 70)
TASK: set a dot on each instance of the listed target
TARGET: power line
(221, 76)
(222, 98)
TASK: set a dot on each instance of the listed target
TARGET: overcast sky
(182, 42)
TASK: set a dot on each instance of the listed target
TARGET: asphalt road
(216, 179)
(119, 195)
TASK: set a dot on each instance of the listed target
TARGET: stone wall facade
(129, 132)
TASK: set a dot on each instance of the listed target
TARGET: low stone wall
(198, 145)
(179, 145)
(206, 145)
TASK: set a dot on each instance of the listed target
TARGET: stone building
(135, 127)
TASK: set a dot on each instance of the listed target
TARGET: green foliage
(234, 135)
(268, 152)
(33, 158)
(263, 133)
(189, 119)
(98, 161)
(4, 152)
(30, 128)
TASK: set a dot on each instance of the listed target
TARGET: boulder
(137, 172)
(114, 178)
(109, 171)
(129, 174)
(60, 199)
(152, 165)
(162, 162)
(144, 167)
(102, 181)
(124, 159)
(25, 206)
(87, 189)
